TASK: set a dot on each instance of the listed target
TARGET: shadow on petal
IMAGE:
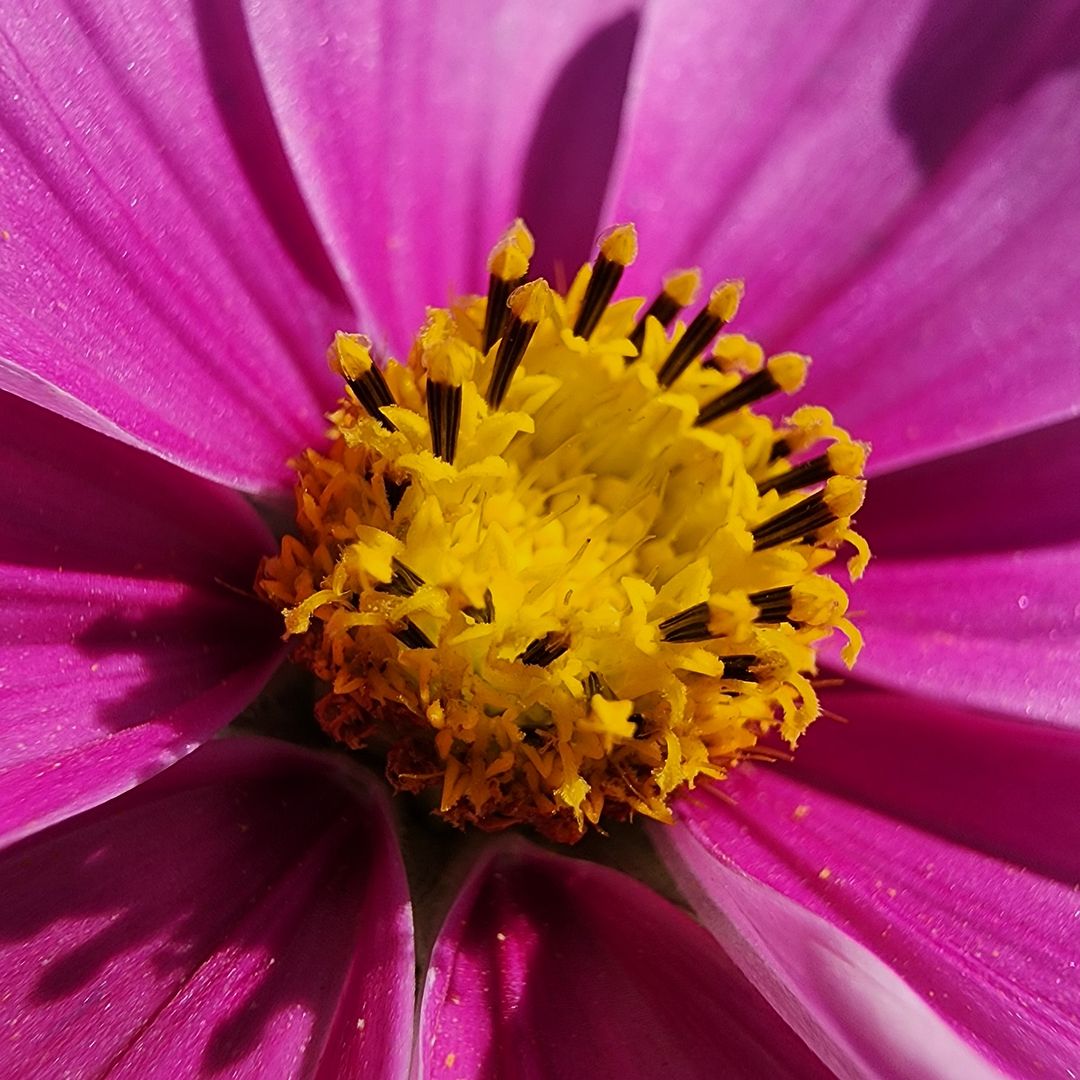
(573, 146)
(244, 910)
(970, 57)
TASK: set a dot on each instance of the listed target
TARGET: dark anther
(774, 605)
(403, 582)
(692, 624)
(751, 389)
(546, 649)
(815, 471)
(511, 350)
(444, 416)
(486, 614)
(796, 521)
(395, 492)
(373, 393)
(411, 636)
(605, 276)
(495, 317)
(663, 309)
(595, 683)
(781, 448)
(702, 329)
(740, 666)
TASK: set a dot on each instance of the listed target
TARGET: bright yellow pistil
(554, 566)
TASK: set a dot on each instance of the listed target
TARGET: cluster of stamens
(554, 566)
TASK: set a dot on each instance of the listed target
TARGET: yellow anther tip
(788, 370)
(733, 352)
(350, 355)
(818, 601)
(518, 233)
(683, 286)
(507, 261)
(532, 301)
(725, 299)
(619, 244)
(844, 495)
(450, 362)
(847, 458)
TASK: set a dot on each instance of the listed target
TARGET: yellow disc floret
(554, 567)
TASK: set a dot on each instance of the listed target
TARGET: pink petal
(243, 914)
(549, 967)
(128, 629)
(418, 131)
(892, 182)
(160, 275)
(984, 781)
(989, 946)
(1011, 494)
(997, 631)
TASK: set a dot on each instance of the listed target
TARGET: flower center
(554, 566)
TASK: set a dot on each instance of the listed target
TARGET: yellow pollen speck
(824, 873)
(550, 587)
(800, 811)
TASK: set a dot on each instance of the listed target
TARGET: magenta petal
(128, 629)
(991, 947)
(411, 126)
(893, 182)
(985, 781)
(160, 275)
(549, 967)
(243, 914)
(997, 631)
(1017, 493)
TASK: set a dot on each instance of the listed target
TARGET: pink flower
(194, 196)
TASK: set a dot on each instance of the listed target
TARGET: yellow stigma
(556, 569)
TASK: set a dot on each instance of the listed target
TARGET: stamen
(448, 363)
(528, 305)
(740, 667)
(545, 650)
(690, 624)
(586, 503)
(841, 498)
(841, 459)
(507, 266)
(351, 358)
(618, 249)
(412, 637)
(486, 614)
(786, 371)
(706, 324)
(679, 291)
(404, 581)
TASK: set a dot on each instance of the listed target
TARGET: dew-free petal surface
(989, 945)
(548, 967)
(1017, 493)
(994, 783)
(243, 914)
(129, 632)
(997, 631)
(899, 186)
(418, 131)
(161, 278)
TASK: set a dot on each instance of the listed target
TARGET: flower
(196, 197)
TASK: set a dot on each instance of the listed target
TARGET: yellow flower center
(554, 566)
